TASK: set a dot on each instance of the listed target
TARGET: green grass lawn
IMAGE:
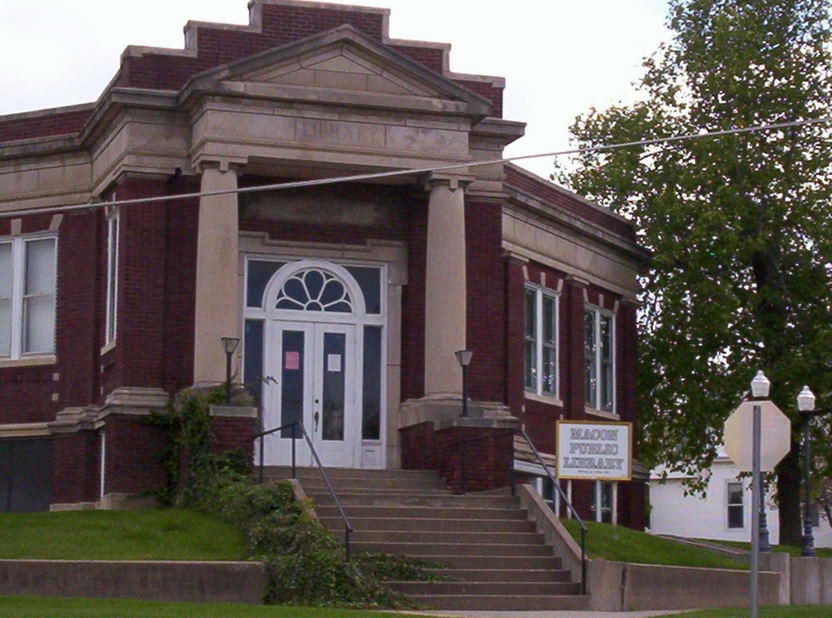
(805, 611)
(37, 607)
(156, 534)
(824, 552)
(623, 544)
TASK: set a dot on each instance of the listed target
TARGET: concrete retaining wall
(811, 581)
(232, 582)
(617, 586)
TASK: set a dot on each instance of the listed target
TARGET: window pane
(371, 394)
(40, 266)
(549, 319)
(5, 327)
(735, 505)
(530, 376)
(530, 344)
(39, 319)
(292, 383)
(253, 358)
(334, 387)
(259, 274)
(369, 280)
(591, 368)
(5, 270)
(549, 370)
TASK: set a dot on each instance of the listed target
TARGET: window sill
(29, 361)
(547, 399)
(602, 413)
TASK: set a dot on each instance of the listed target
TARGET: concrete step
(514, 602)
(437, 499)
(423, 512)
(485, 588)
(284, 472)
(481, 550)
(415, 524)
(464, 562)
(504, 575)
(375, 484)
(409, 536)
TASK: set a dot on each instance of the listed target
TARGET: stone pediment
(344, 61)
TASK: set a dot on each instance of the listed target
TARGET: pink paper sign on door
(292, 360)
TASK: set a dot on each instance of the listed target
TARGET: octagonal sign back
(775, 435)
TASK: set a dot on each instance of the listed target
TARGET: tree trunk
(788, 496)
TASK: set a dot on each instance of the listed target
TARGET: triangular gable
(341, 59)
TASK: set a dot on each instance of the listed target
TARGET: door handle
(316, 417)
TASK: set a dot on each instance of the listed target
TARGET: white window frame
(729, 504)
(113, 250)
(596, 505)
(539, 294)
(18, 267)
(597, 312)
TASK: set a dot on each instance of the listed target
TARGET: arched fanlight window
(314, 290)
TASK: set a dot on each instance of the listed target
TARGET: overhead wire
(411, 171)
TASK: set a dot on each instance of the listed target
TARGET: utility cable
(406, 172)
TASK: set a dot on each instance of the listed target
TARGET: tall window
(735, 505)
(598, 350)
(112, 275)
(541, 342)
(603, 494)
(27, 296)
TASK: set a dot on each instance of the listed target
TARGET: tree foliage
(741, 276)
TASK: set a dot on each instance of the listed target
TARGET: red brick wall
(413, 304)
(234, 433)
(26, 393)
(487, 462)
(75, 467)
(180, 287)
(417, 446)
(55, 123)
(485, 288)
(81, 274)
(134, 450)
(543, 190)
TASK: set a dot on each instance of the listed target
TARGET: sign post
(770, 432)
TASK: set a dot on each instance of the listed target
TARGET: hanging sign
(598, 451)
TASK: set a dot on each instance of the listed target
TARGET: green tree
(741, 276)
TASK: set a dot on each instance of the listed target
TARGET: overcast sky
(559, 57)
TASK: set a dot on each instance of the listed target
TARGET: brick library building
(350, 298)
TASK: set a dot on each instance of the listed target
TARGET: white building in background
(724, 513)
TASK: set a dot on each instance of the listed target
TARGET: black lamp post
(806, 405)
(463, 357)
(229, 344)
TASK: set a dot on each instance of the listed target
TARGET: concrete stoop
(495, 558)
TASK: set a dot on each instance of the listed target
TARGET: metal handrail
(568, 504)
(555, 484)
(348, 529)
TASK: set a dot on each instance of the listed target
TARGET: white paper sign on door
(333, 363)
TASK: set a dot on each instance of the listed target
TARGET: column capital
(223, 164)
(447, 179)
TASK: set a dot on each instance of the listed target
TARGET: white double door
(315, 369)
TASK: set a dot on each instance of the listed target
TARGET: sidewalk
(550, 614)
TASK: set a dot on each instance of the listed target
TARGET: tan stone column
(217, 310)
(445, 289)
